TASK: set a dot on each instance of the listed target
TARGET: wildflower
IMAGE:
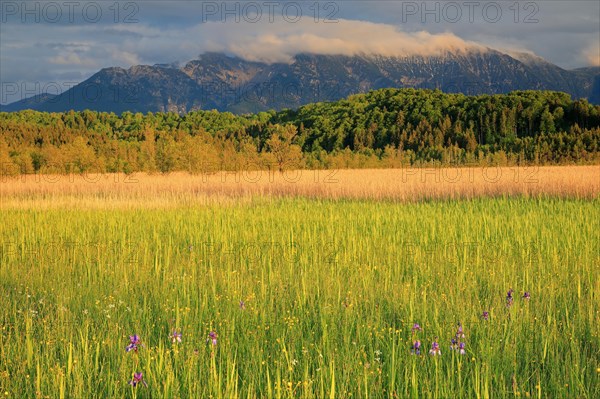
(212, 337)
(461, 348)
(416, 348)
(138, 378)
(378, 354)
(175, 337)
(416, 327)
(242, 305)
(435, 349)
(485, 315)
(134, 341)
(509, 298)
(459, 331)
(346, 302)
(527, 295)
(453, 344)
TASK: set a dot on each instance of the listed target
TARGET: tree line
(382, 128)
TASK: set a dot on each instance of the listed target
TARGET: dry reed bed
(117, 190)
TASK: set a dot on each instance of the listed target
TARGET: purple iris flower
(485, 315)
(527, 295)
(212, 337)
(134, 341)
(416, 327)
(453, 344)
(459, 331)
(138, 378)
(175, 337)
(242, 305)
(416, 348)
(435, 349)
(461, 348)
(509, 297)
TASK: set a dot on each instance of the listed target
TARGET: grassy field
(406, 185)
(307, 298)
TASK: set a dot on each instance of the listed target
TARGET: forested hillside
(383, 128)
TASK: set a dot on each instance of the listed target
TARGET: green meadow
(305, 299)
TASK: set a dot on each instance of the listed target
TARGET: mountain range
(226, 83)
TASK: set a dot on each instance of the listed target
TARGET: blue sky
(52, 45)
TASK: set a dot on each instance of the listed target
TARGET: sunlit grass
(330, 290)
(119, 191)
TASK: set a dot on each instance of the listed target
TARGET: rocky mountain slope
(217, 81)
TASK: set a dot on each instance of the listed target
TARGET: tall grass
(408, 184)
(330, 290)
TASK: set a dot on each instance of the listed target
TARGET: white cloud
(592, 54)
(125, 57)
(281, 40)
(71, 59)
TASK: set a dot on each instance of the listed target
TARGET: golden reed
(407, 184)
